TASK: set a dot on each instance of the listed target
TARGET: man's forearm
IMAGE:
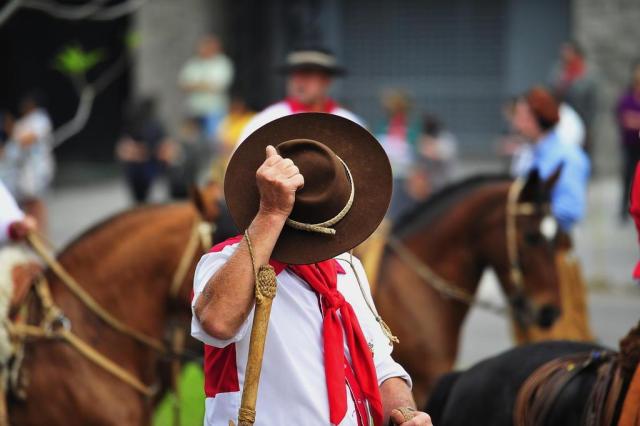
(395, 393)
(228, 297)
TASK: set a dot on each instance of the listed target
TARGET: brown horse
(458, 233)
(126, 264)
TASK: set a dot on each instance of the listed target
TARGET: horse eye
(533, 238)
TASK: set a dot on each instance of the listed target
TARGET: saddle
(538, 393)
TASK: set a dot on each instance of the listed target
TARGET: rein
(452, 291)
(57, 326)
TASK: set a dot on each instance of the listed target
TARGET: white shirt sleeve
(207, 267)
(9, 212)
(386, 367)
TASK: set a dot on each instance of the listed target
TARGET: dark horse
(460, 232)
(126, 264)
(485, 395)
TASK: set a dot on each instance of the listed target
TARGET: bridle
(514, 208)
(56, 326)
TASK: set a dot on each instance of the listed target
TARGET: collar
(329, 106)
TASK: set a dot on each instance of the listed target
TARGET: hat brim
(362, 153)
(336, 71)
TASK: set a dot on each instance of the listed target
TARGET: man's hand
(20, 229)
(410, 417)
(278, 180)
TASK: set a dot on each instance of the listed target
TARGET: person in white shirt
(206, 79)
(310, 73)
(28, 164)
(323, 188)
(14, 224)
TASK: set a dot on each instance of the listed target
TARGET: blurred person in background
(574, 82)
(628, 118)
(437, 151)
(569, 129)
(310, 72)
(535, 116)
(205, 79)
(398, 135)
(228, 134)
(14, 224)
(512, 147)
(139, 147)
(182, 158)
(28, 164)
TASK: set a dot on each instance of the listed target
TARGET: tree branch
(58, 10)
(9, 9)
(79, 120)
(111, 73)
(93, 10)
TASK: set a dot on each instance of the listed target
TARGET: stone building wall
(609, 31)
(169, 31)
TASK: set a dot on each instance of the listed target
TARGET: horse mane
(117, 217)
(430, 209)
(630, 352)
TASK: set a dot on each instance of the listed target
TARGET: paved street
(608, 252)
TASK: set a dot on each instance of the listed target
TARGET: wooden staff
(265, 292)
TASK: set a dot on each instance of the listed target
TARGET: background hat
(312, 58)
(327, 137)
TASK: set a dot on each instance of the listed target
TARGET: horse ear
(553, 179)
(205, 199)
(531, 189)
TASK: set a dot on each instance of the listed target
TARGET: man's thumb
(271, 151)
(397, 417)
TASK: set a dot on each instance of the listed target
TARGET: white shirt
(216, 72)
(570, 128)
(282, 109)
(9, 213)
(292, 383)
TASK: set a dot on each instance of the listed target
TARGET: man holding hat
(310, 72)
(305, 188)
(536, 116)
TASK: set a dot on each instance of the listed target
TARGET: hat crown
(326, 188)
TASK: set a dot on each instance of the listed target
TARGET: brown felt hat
(347, 183)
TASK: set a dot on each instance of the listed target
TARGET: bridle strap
(200, 237)
(515, 270)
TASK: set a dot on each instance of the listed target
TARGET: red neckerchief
(571, 72)
(296, 107)
(323, 278)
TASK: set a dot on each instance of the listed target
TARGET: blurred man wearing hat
(306, 189)
(310, 72)
(536, 116)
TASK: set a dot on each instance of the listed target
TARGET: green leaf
(132, 40)
(73, 60)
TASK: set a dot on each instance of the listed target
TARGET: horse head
(533, 240)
